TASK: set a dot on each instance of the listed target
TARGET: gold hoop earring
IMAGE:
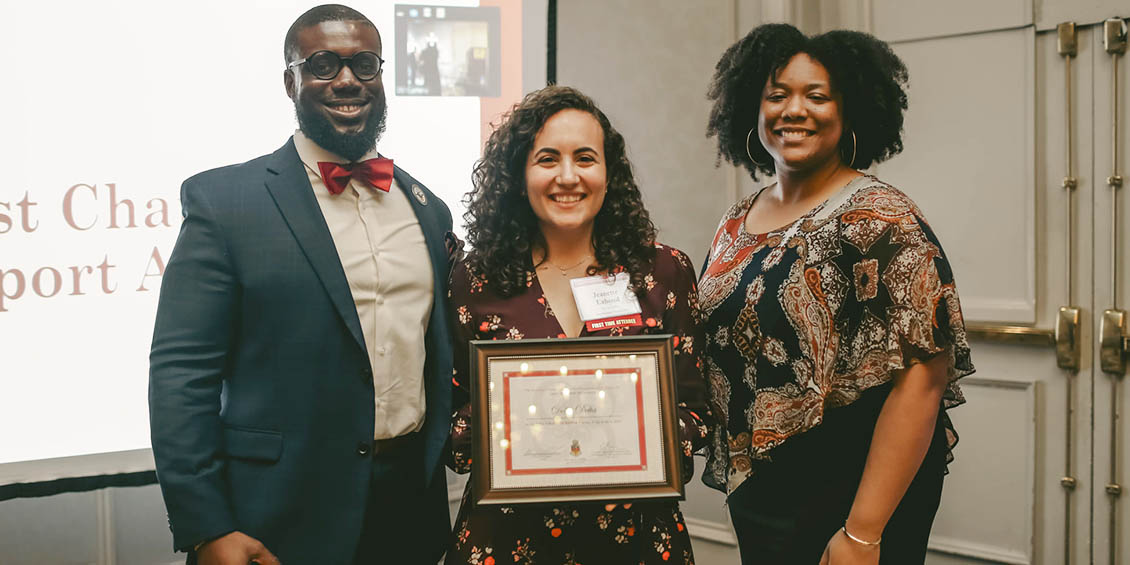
(750, 155)
(854, 146)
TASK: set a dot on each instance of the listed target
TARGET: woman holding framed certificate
(563, 247)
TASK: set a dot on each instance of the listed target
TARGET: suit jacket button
(363, 447)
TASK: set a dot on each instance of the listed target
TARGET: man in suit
(300, 372)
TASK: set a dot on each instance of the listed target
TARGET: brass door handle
(1021, 335)
(1112, 329)
(1066, 337)
(1113, 342)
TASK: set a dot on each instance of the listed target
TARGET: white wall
(648, 64)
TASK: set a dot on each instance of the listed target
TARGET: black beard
(351, 146)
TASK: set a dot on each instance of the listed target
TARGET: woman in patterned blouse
(834, 335)
(554, 199)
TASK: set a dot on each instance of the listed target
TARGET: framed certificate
(559, 420)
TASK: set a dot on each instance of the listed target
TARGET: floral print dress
(612, 532)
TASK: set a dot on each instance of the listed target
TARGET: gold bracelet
(859, 541)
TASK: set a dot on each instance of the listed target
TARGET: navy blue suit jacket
(260, 388)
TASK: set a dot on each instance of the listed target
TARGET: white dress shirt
(382, 249)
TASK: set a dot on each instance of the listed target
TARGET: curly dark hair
(502, 228)
(863, 70)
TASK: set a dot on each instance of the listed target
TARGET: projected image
(85, 241)
(447, 51)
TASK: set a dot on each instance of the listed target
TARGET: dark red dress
(583, 533)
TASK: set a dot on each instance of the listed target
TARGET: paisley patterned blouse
(582, 533)
(806, 318)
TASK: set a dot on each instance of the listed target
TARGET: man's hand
(235, 548)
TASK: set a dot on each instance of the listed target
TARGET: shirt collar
(311, 153)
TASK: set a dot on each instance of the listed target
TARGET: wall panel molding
(1050, 13)
(710, 530)
(995, 461)
(970, 163)
(980, 308)
(107, 553)
(961, 548)
(901, 20)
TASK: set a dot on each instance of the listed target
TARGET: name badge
(606, 302)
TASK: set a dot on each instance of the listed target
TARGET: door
(985, 159)
(1111, 87)
(1010, 141)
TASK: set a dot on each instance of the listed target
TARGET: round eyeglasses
(325, 65)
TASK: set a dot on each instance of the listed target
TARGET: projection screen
(115, 105)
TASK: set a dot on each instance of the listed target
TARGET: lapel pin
(419, 194)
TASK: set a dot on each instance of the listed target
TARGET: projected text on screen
(90, 205)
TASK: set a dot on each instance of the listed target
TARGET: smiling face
(344, 114)
(566, 175)
(801, 118)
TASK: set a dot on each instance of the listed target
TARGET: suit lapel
(289, 186)
(437, 372)
(433, 234)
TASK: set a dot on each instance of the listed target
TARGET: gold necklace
(565, 270)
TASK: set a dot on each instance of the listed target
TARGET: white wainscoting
(989, 498)
(902, 20)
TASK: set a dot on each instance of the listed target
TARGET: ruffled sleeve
(902, 305)
(903, 287)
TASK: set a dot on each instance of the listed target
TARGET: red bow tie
(374, 172)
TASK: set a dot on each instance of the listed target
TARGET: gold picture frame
(574, 419)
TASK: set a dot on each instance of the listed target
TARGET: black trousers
(406, 521)
(788, 510)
